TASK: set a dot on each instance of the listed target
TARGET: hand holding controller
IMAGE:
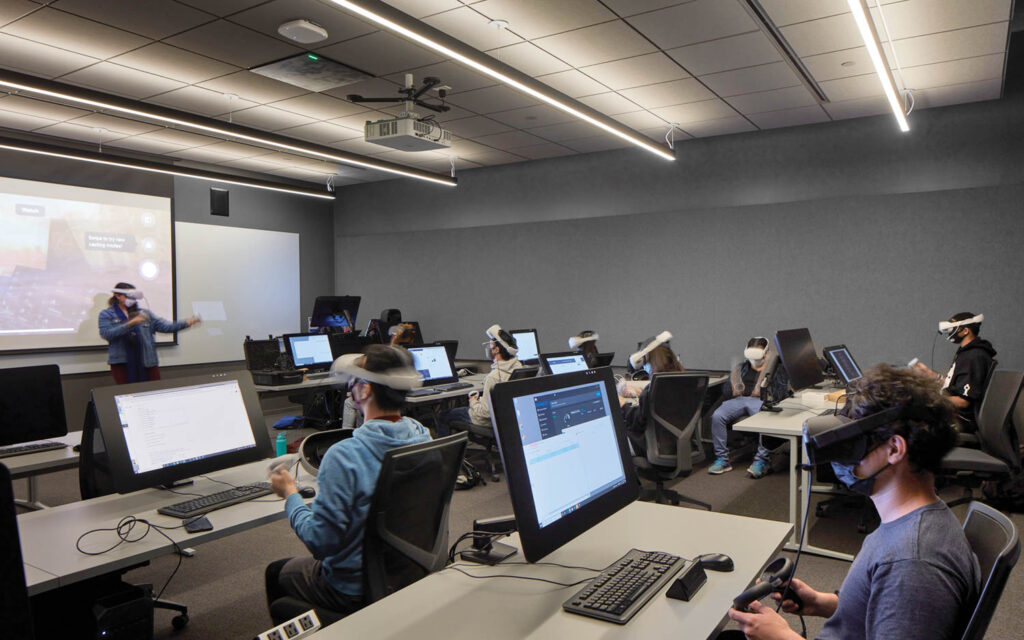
(775, 576)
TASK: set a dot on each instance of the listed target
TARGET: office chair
(406, 534)
(971, 439)
(674, 400)
(995, 542)
(524, 372)
(999, 457)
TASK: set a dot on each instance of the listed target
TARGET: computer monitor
(604, 359)
(31, 404)
(15, 610)
(156, 433)
(309, 350)
(564, 362)
(434, 364)
(263, 354)
(842, 361)
(527, 344)
(798, 356)
(563, 445)
(337, 313)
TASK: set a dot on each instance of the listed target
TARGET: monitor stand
(177, 483)
(485, 550)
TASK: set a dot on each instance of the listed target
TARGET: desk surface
(48, 536)
(788, 422)
(46, 461)
(449, 604)
(476, 379)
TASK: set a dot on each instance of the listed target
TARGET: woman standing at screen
(130, 332)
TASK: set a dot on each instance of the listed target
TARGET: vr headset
(840, 439)
(948, 329)
(494, 332)
(134, 294)
(577, 341)
(638, 358)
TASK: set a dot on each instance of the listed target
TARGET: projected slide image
(61, 250)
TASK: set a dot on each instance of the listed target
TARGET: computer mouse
(309, 492)
(716, 562)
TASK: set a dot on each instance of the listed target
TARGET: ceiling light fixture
(866, 26)
(55, 90)
(152, 167)
(389, 18)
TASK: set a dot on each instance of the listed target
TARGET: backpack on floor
(468, 477)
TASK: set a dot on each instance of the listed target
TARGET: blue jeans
(729, 413)
(457, 419)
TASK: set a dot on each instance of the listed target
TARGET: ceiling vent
(312, 72)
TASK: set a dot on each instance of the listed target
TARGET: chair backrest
(407, 528)
(675, 400)
(94, 477)
(524, 372)
(995, 542)
(996, 432)
(984, 388)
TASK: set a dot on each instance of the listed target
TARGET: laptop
(563, 362)
(434, 364)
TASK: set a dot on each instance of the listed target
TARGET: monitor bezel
(433, 382)
(319, 366)
(325, 303)
(536, 340)
(49, 374)
(537, 542)
(546, 369)
(829, 352)
(125, 480)
(818, 378)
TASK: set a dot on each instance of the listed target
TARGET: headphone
(582, 337)
(775, 575)
(637, 359)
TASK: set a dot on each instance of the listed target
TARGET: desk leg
(32, 502)
(806, 488)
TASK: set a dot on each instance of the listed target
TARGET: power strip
(298, 627)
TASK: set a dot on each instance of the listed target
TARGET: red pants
(120, 372)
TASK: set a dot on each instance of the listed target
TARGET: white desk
(32, 465)
(450, 605)
(476, 379)
(324, 384)
(788, 424)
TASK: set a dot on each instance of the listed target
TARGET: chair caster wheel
(179, 622)
(495, 478)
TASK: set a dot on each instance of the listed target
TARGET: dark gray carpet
(223, 583)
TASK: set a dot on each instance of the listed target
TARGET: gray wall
(864, 235)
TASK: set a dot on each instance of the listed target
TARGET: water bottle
(281, 444)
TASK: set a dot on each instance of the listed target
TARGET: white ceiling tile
(14, 9)
(319, 107)
(641, 120)
(496, 157)
(735, 52)
(269, 118)
(15, 120)
(302, 175)
(775, 100)
(919, 17)
(573, 83)
(381, 54)
(958, 94)
(634, 72)
(609, 103)
(490, 99)
(510, 140)
(252, 164)
(253, 87)
(668, 93)
(829, 66)
(565, 131)
(695, 112)
(826, 34)
(357, 122)
(528, 58)
(113, 124)
(470, 27)
(954, 72)
(596, 44)
(597, 143)
(174, 63)
(546, 150)
(206, 154)
(151, 18)
(476, 126)
(76, 34)
(421, 8)
(199, 100)
(693, 22)
(467, 148)
(786, 12)
(221, 7)
(453, 113)
(181, 138)
(952, 45)
(320, 132)
(857, 108)
(370, 88)
(763, 78)
(39, 108)
(537, 116)
(137, 143)
(114, 78)
(852, 88)
(632, 7)
(719, 127)
(39, 59)
(534, 19)
(340, 24)
(789, 117)
(659, 134)
(74, 131)
(456, 76)
(231, 43)
(230, 150)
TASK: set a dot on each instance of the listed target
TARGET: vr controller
(774, 577)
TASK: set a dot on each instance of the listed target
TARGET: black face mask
(955, 337)
(863, 486)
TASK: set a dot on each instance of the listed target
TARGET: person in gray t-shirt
(916, 576)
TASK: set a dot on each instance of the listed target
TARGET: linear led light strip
(497, 75)
(862, 17)
(217, 131)
(173, 172)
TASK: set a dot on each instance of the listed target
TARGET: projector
(408, 133)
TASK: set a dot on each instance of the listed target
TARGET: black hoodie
(968, 376)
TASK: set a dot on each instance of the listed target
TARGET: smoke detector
(303, 31)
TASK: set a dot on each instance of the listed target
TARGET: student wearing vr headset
(655, 357)
(585, 344)
(130, 331)
(501, 350)
(332, 527)
(967, 377)
(743, 399)
(915, 576)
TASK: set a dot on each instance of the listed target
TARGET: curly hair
(926, 422)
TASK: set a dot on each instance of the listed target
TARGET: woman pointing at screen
(130, 330)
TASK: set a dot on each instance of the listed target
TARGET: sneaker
(758, 470)
(719, 467)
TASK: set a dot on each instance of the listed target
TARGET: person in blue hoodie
(332, 526)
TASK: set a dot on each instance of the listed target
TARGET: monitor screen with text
(526, 343)
(310, 350)
(565, 364)
(432, 363)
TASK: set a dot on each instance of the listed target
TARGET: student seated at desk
(585, 344)
(743, 399)
(332, 527)
(915, 576)
(501, 350)
(655, 357)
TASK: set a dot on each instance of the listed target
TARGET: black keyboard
(455, 386)
(32, 447)
(625, 586)
(214, 501)
(317, 376)
(423, 391)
